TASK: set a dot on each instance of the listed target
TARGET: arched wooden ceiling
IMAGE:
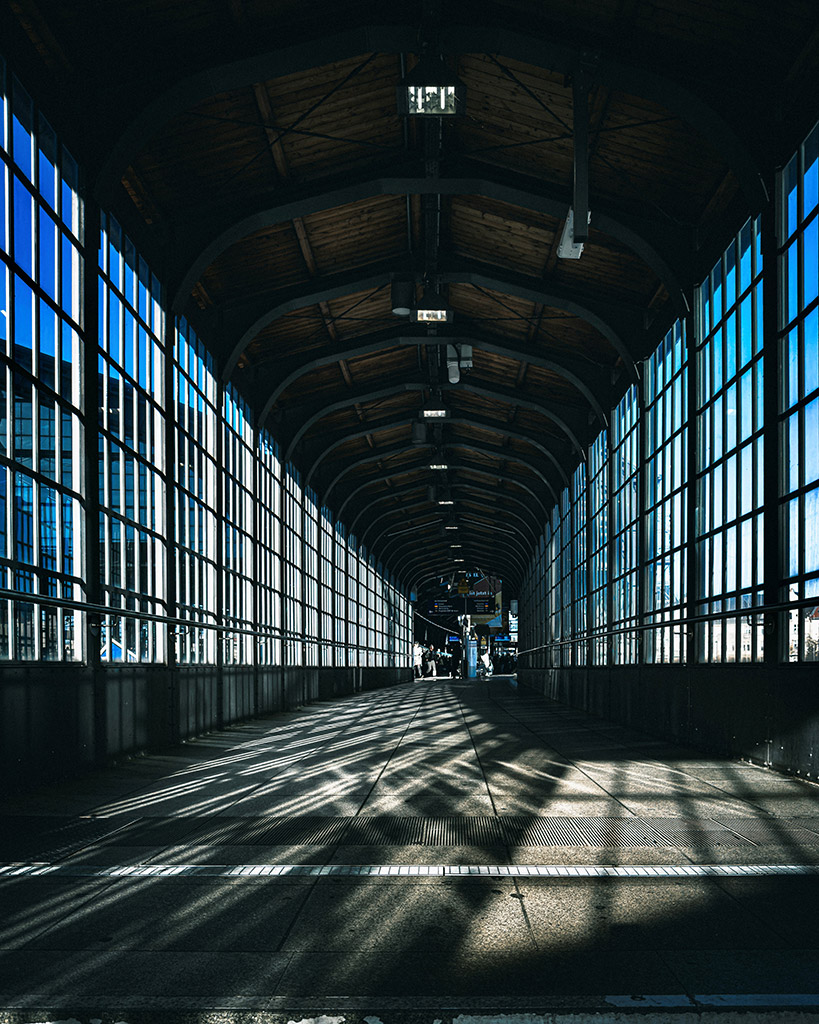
(254, 149)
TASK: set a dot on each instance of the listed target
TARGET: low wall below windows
(48, 723)
(339, 682)
(766, 714)
(57, 720)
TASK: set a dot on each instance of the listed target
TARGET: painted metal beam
(436, 527)
(239, 324)
(531, 523)
(486, 543)
(486, 553)
(376, 455)
(298, 421)
(385, 520)
(591, 380)
(324, 448)
(424, 562)
(733, 135)
(580, 183)
(466, 467)
(497, 541)
(664, 247)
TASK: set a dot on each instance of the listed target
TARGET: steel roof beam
(319, 453)
(532, 524)
(437, 528)
(465, 467)
(591, 380)
(617, 68)
(442, 543)
(664, 247)
(384, 453)
(385, 521)
(419, 561)
(239, 324)
(440, 548)
(299, 420)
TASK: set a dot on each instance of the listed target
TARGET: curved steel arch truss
(451, 482)
(496, 543)
(487, 555)
(532, 524)
(664, 248)
(423, 506)
(474, 526)
(591, 380)
(618, 324)
(377, 455)
(318, 454)
(318, 411)
(613, 69)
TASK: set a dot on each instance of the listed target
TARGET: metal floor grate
(699, 832)
(48, 839)
(412, 831)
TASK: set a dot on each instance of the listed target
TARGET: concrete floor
(233, 878)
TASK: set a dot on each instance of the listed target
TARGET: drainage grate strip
(643, 872)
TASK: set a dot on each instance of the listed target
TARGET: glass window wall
(799, 399)
(730, 482)
(195, 396)
(625, 516)
(238, 503)
(41, 438)
(666, 473)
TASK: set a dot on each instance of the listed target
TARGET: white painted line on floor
(735, 1000)
(767, 1008)
(641, 871)
(760, 999)
(652, 1000)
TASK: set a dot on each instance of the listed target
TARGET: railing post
(775, 633)
(609, 593)
(694, 646)
(641, 645)
(220, 552)
(171, 556)
(92, 471)
(257, 533)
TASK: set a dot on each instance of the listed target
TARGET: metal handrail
(265, 632)
(689, 620)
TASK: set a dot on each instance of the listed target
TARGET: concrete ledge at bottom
(339, 682)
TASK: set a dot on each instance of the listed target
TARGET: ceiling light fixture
(431, 309)
(431, 90)
(419, 432)
(567, 248)
(402, 297)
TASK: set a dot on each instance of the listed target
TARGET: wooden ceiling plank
(279, 159)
